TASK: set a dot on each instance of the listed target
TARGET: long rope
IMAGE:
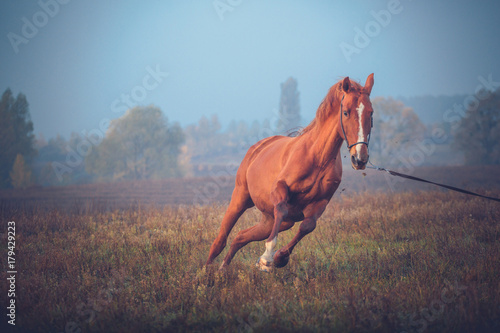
(394, 173)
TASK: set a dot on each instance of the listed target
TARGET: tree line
(144, 144)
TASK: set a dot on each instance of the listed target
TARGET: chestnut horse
(292, 179)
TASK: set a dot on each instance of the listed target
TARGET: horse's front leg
(279, 197)
(312, 213)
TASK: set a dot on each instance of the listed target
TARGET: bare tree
(289, 111)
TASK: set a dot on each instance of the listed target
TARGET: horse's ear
(346, 84)
(369, 84)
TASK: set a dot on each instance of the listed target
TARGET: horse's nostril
(354, 160)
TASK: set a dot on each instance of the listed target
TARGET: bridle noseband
(343, 131)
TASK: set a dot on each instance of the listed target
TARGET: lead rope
(456, 189)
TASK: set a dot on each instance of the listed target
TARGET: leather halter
(343, 131)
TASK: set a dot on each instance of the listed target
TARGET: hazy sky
(84, 61)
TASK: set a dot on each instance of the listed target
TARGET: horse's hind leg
(256, 233)
(240, 201)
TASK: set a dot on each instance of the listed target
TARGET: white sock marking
(269, 253)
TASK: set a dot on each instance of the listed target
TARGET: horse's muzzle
(358, 164)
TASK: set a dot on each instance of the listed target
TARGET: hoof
(264, 265)
(281, 259)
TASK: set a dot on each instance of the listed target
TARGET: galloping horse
(292, 179)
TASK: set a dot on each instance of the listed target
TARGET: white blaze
(361, 135)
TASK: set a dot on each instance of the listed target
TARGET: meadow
(421, 261)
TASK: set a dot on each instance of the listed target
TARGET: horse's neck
(326, 139)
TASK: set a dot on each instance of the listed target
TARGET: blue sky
(85, 57)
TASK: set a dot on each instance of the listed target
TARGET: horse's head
(356, 114)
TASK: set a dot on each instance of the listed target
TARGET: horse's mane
(325, 108)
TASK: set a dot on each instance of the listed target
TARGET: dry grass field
(421, 261)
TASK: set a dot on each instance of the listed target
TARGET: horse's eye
(345, 113)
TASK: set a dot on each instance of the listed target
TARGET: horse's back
(260, 150)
